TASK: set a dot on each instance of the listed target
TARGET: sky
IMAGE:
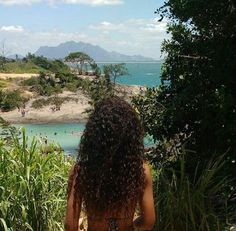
(126, 26)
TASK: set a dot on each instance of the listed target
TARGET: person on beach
(111, 178)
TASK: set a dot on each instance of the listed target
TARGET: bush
(57, 101)
(31, 81)
(10, 100)
(186, 204)
(32, 188)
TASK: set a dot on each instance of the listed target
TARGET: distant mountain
(96, 52)
(15, 56)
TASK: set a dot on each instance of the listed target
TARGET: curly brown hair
(110, 173)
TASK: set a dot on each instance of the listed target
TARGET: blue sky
(125, 26)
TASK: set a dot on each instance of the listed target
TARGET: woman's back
(122, 220)
(109, 177)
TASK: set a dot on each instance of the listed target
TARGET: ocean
(68, 135)
(144, 74)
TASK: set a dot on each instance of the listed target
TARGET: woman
(110, 177)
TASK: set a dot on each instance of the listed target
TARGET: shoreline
(43, 122)
(71, 111)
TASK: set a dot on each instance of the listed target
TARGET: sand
(17, 76)
(70, 111)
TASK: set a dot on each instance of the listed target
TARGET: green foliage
(196, 100)
(49, 84)
(45, 84)
(30, 82)
(115, 70)
(3, 61)
(95, 68)
(9, 100)
(99, 89)
(79, 58)
(21, 67)
(33, 64)
(57, 101)
(3, 84)
(194, 106)
(199, 75)
(150, 111)
(191, 204)
(7, 131)
(32, 187)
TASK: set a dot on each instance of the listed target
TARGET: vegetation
(192, 116)
(3, 84)
(32, 64)
(80, 59)
(99, 89)
(194, 107)
(19, 67)
(113, 71)
(191, 204)
(10, 100)
(33, 186)
(53, 66)
(49, 84)
(57, 101)
(2, 62)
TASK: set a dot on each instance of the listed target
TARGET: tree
(3, 61)
(95, 68)
(115, 70)
(9, 100)
(194, 107)
(79, 58)
(195, 104)
(3, 54)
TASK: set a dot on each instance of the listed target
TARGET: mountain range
(96, 52)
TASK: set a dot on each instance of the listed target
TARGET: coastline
(71, 111)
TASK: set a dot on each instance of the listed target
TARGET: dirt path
(16, 76)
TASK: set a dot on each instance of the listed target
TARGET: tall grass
(32, 187)
(189, 204)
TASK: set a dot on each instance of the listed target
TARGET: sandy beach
(73, 110)
(17, 76)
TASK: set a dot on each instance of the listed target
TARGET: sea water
(68, 135)
(144, 74)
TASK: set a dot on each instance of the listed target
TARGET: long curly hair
(110, 173)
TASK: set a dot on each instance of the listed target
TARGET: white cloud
(18, 2)
(105, 27)
(55, 2)
(133, 25)
(131, 37)
(94, 2)
(104, 23)
(12, 29)
(157, 27)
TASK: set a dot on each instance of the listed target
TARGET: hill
(96, 52)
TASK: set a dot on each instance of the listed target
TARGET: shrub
(31, 81)
(32, 188)
(186, 204)
(10, 100)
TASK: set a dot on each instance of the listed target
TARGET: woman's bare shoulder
(71, 178)
(147, 172)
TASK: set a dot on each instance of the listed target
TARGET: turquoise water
(144, 74)
(65, 135)
(68, 135)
